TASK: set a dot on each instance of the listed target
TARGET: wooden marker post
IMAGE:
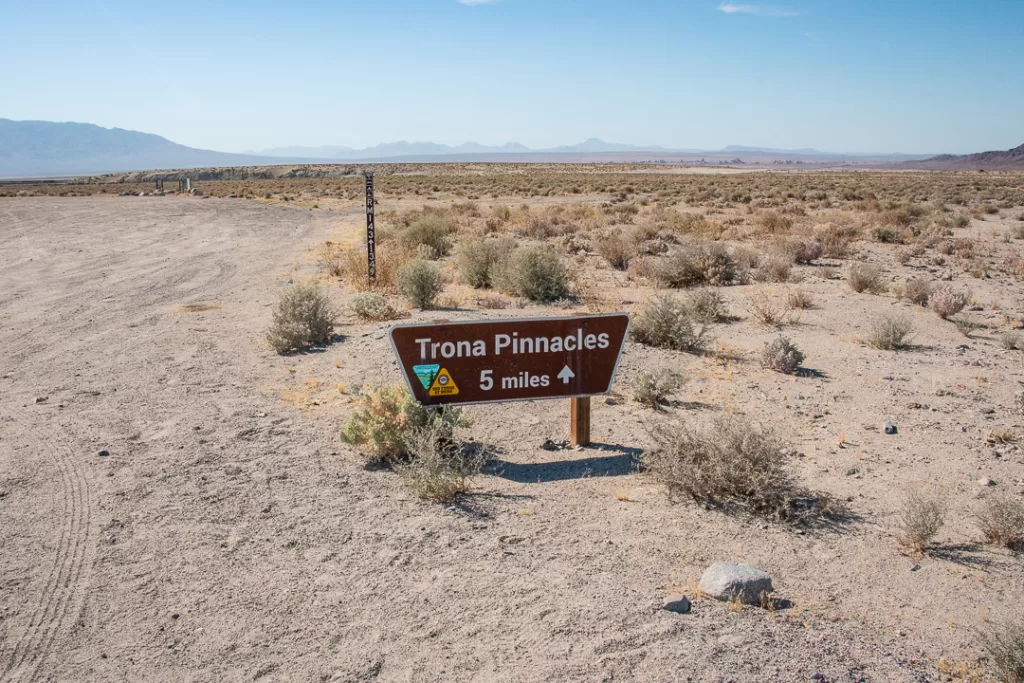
(371, 232)
(579, 421)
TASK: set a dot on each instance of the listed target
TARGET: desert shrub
(799, 299)
(1004, 648)
(438, 468)
(890, 332)
(372, 306)
(774, 222)
(917, 291)
(332, 259)
(534, 272)
(920, 519)
(836, 240)
(708, 305)
(807, 251)
(965, 326)
(652, 387)
(303, 317)
(768, 309)
(774, 269)
(1014, 265)
(387, 418)
(1001, 522)
(616, 249)
(731, 463)
(945, 302)
(420, 281)
(781, 355)
(1011, 341)
(350, 264)
(694, 264)
(887, 235)
(477, 259)
(668, 322)
(432, 231)
(865, 277)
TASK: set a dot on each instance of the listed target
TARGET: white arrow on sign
(566, 374)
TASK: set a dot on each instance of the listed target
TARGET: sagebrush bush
(616, 248)
(303, 317)
(535, 273)
(799, 299)
(731, 462)
(694, 264)
(478, 259)
(708, 305)
(781, 355)
(372, 306)
(437, 468)
(944, 301)
(774, 269)
(652, 387)
(420, 281)
(1004, 648)
(387, 418)
(836, 240)
(866, 277)
(920, 519)
(890, 332)
(668, 322)
(917, 291)
(1001, 521)
(432, 231)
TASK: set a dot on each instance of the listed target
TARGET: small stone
(41, 399)
(726, 580)
(985, 481)
(889, 427)
(104, 453)
(817, 676)
(676, 603)
(915, 568)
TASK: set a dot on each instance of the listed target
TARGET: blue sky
(838, 75)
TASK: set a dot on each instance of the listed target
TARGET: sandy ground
(228, 535)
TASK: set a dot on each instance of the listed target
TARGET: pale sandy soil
(228, 535)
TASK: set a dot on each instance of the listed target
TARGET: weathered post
(579, 421)
(371, 232)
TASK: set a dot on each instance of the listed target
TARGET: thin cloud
(760, 10)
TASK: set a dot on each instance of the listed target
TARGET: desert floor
(176, 504)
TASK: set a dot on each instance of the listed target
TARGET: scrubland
(823, 379)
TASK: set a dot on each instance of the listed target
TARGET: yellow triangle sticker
(443, 385)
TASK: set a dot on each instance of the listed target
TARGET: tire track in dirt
(63, 586)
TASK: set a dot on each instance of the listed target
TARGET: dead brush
(768, 309)
(669, 322)
(438, 468)
(1004, 648)
(303, 317)
(945, 302)
(732, 464)
(890, 332)
(920, 519)
(799, 299)
(782, 355)
(866, 277)
(1001, 522)
(653, 387)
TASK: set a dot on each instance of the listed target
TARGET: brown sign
(510, 360)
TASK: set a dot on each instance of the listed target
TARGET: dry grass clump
(428, 234)
(1004, 649)
(420, 281)
(774, 223)
(774, 269)
(890, 332)
(866, 277)
(945, 302)
(652, 387)
(386, 420)
(799, 299)
(732, 464)
(695, 264)
(303, 317)
(1014, 265)
(782, 355)
(920, 520)
(535, 273)
(478, 259)
(1001, 522)
(438, 468)
(836, 240)
(669, 322)
(350, 264)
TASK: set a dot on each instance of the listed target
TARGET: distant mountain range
(44, 148)
(1010, 160)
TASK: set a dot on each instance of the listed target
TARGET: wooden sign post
(491, 361)
(371, 232)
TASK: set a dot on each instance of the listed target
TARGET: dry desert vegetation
(210, 471)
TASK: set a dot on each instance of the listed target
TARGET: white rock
(676, 603)
(726, 580)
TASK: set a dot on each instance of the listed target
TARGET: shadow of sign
(625, 462)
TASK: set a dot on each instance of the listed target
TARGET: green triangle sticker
(426, 374)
